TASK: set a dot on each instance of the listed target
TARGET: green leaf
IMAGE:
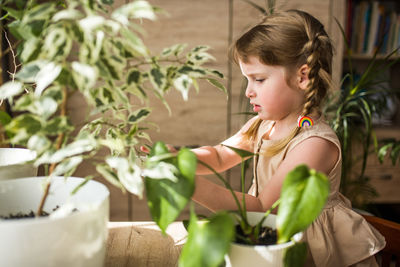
(187, 163)
(133, 43)
(138, 115)
(10, 89)
(182, 84)
(17, 14)
(134, 76)
(157, 78)
(84, 75)
(295, 255)
(38, 143)
(5, 118)
(73, 149)
(217, 84)
(208, 241)
(109, 175)
(40, 12)
(192, 71)
(303, 196)
(23, 127)
(175, 50)
(134, 10)
(57, 44)
(242, 153)
(383, 151)
(57, 125)
(30, 48)
(67, 14)
(29, 71)
(128, 174)
(167, 199)
(67, 166)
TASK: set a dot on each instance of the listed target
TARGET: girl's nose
(249, 92)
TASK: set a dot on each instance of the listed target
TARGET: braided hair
(290, 39)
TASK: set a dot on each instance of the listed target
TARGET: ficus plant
(303, 196)
(89, 49)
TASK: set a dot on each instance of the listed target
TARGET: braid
(319, 73)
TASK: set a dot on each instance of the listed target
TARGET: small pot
(242, 255)
(65, 238)
(13, 163)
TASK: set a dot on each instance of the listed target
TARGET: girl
(287, 62)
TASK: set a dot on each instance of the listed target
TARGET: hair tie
(305, 121)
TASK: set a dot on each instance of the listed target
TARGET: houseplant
(350, 112)
(86, 49)
(209, 240)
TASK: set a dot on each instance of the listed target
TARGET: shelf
(369, 57)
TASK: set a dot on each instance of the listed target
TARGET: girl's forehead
(254, 66)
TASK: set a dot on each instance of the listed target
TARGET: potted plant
(85, 49)
(210, 239)
(350, 112)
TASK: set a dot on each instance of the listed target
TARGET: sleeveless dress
(339, 236)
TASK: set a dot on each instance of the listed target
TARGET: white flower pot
(64, 239)
(245, 255)
(13, 163)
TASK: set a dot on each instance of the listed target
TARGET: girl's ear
(302, 77)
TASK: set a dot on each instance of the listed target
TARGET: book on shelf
(373, 26)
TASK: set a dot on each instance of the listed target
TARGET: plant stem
(228, 186)
(59, 141)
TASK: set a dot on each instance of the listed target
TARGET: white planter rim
(49, 219)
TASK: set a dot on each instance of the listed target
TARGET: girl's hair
(290, 39)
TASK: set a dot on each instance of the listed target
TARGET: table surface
(143, 244)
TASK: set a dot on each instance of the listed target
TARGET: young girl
(287, 62)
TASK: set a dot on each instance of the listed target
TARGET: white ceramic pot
(64, 239)
(245, 255)
(13, 163)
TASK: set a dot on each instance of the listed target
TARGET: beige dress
(339, 236)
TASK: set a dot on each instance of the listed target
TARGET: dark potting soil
(267, 236)
(25, 215)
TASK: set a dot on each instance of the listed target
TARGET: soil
(25, 215)
(267, 236)
(21, 215)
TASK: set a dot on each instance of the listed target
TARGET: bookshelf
(374, 27)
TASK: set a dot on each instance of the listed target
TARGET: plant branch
(59, 141)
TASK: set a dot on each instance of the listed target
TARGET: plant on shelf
(209, 239)
(85, 48)
(350, 112)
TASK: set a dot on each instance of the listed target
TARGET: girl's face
(269, 94)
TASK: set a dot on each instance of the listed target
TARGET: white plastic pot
(245, 255)
(13, 163)
(66, 238)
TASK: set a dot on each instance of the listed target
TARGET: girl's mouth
(256, 108)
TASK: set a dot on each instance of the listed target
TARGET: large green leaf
(208, 241)
(303, 196)
(167, 198)
(295, 255)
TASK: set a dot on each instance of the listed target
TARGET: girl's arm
(315, 152)
(219, 157)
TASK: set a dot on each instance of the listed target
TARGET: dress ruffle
(341, 236)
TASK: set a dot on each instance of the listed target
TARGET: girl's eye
(259, 80)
